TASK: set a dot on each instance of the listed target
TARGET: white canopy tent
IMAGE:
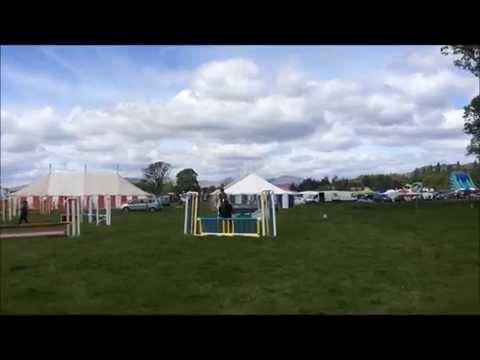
(253, 185)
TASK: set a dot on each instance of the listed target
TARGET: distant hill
(206, 183)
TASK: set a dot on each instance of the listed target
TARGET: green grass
(364, 259)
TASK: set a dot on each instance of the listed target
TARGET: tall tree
(438, 168)
(155, 175)
(308, 184)
(187, 181)
(472, 126)
(325, 181)
(468, 58)
(415, 175)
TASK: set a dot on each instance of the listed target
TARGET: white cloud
(431, 88)
(228, 118)
(235, 79)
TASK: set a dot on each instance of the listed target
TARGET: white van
(311, 197)
(336, 195)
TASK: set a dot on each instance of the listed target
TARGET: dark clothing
(222, 196)
(226, 210)
(23, 214)
(23, 218)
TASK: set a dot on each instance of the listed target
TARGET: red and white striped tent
(59, 185)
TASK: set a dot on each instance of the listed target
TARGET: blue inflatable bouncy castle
(460, 181)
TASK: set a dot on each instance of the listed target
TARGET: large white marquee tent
(58, 185)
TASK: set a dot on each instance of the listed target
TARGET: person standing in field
(226, 211)
(222, 197)
(23, 213)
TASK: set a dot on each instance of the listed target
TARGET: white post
(67, 212)
(79, 218)
(90, 200)
(110, 210)
(10, 208)
(195, 207)
(80, 209)
(186, 215)
(14, 207)
(74, 217)
(262, 203)
(96, 208)
(274, 216)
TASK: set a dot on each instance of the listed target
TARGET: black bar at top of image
(323, 28)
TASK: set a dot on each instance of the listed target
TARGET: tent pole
(90, 200)
(67, 211)
(79, 218)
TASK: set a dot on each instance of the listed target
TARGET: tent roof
(77, 184)
(253, 184)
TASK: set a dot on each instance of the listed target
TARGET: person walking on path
(23, 213)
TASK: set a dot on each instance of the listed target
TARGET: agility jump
(263, 224)
(94, 211)
(69, 225)
(10, 208)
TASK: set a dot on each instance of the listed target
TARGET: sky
(225, 111)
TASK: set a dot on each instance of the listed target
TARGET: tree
(155, 175)
(187, 181)
(308, 184)
(468, 58)
(145, 186)
(168, 187)
(325, 181)
(472, 126)
(334, 182)
(293, 187)
(438, 168)
(415, 175)
(367, 181)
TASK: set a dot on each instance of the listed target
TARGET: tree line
(436, 176)
(156, 181)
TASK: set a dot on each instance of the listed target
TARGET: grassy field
(364, 259)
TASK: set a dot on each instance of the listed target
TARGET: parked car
(311, 197)
(164, 200)
(441, 196)
(150, 204)
(381, 198)
(427, 195)
(365, 198)
(298, 200)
